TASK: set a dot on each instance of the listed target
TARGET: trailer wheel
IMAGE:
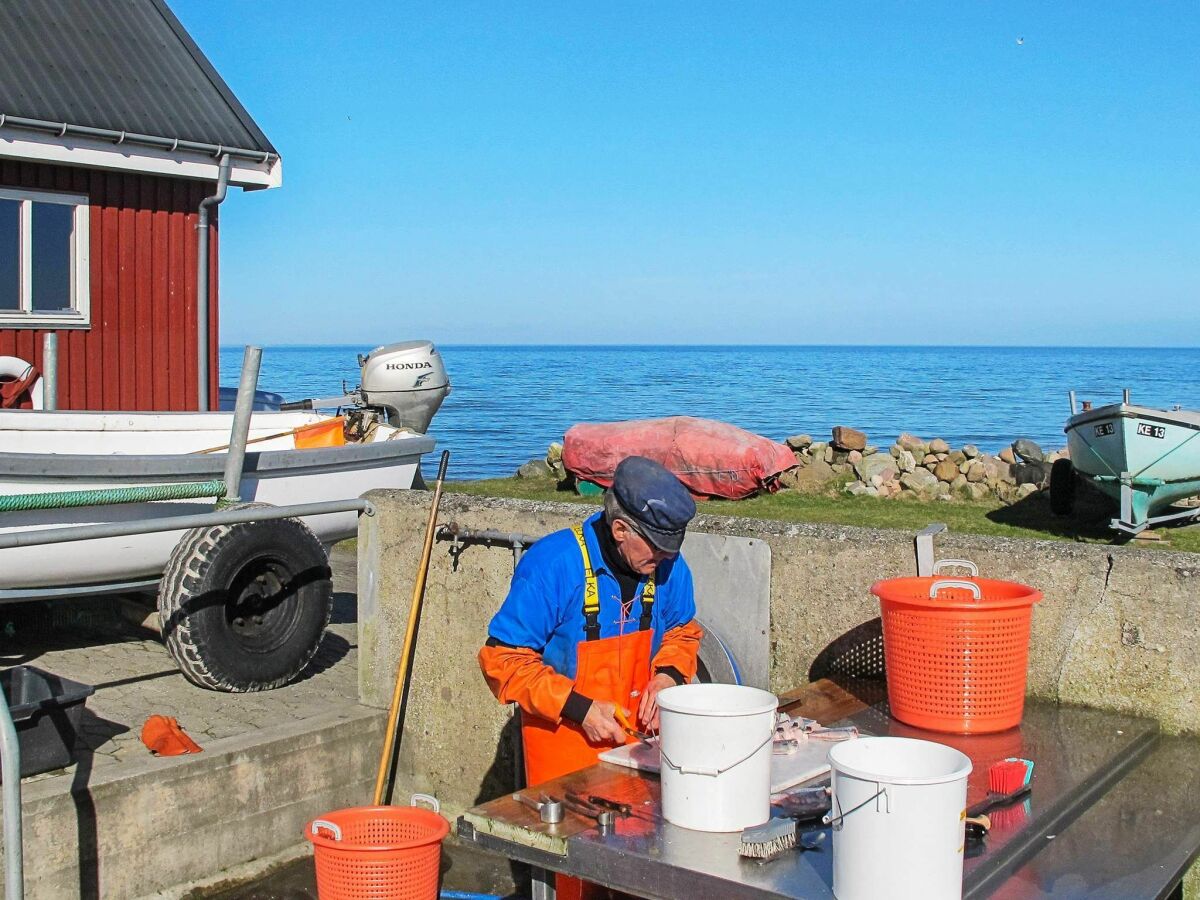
(244, 606)
(1062, 487)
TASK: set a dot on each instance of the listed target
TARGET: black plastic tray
(46, 710)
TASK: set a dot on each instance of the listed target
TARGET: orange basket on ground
(378, 852)
(956, 651)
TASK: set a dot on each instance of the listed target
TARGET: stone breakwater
(918, 468)
(911, 467)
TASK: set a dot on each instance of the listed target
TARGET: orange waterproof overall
(616, 669)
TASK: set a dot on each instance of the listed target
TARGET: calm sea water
(509, 403)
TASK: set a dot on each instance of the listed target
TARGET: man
(597, 617)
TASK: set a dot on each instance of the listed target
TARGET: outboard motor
(403, 383)
(407, 381)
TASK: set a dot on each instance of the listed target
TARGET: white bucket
(716, 755)
(898, 807)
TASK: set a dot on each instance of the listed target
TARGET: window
(43, 259)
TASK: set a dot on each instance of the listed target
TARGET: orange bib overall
(616, 669)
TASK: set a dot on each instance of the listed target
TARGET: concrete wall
(1117, 629)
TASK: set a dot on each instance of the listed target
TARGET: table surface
(1113, 812)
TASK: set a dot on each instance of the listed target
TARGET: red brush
(1007, 775)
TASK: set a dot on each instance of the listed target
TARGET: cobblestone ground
(101, 643)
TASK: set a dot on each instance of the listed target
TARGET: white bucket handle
(961, 563)
(836, 820)
(328, 826)
(711, 772)
(426, 799)
(943, 583)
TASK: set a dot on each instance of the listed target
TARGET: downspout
(202, 282)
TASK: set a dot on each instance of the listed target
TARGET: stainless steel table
(1090, 820)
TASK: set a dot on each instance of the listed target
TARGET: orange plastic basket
(956, 651)
(378, 852)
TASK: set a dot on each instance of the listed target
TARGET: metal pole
(1071, 397)
(10, 766)
(50, 370)
(42, 536)
(235, 456)
(1125, 396)
(202, 283)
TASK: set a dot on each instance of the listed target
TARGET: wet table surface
(1114, 812)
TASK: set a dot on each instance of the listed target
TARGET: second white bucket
(716, 755)
(898, 819)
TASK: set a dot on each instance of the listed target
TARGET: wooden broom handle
(414, 615)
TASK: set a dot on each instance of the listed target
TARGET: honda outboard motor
(407, 381)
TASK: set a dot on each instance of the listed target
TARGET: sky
(709, 173)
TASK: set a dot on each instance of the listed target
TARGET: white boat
(243, 603)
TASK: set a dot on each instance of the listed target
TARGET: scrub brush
(766, 841)
(1009, 774)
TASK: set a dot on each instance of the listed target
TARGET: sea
(508, 403)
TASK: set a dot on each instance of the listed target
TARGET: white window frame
(79, 316)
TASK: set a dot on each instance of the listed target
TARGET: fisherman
(597, 617)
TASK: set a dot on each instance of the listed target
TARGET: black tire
(1062, 487)
(244, 607)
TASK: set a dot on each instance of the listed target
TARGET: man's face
(639, 554)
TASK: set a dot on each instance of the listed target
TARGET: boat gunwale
(1123, 411)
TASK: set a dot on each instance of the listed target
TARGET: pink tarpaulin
(712, 459)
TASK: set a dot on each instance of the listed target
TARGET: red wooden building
(114, 128)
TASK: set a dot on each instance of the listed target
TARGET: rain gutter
(202, 283)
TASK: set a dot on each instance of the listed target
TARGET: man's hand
(648, 708)
(600, 725)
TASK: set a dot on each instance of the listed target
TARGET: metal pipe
(50, 370)
(10, 767)
(1071, 397)
(180, 523)
(62, 129)
(235, 456)
(1125, 396)
(452, 531)
(202, 281)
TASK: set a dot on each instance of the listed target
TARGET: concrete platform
(122, 823)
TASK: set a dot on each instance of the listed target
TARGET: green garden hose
(190, 490)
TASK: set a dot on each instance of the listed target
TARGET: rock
(848, 438)
(827, 454)
(817, 448)
(976, 472)
(964, 465)
(1029, 473)
(535, 468)
(798, 441)
(1025, 490)
(996, 470)
(841, 468)
(978, 492)
(895, 450)
(854, 457)
(941, 491)
(554, 454)
(930, 462)
(919, 481)
(1008, 456)
(905, 461)
(870, 466)
(957, 457)
(970, 451)
(908, 441)
(959, 483)
(941, 456)
(802, 458)
(840, 456)
(870, 450)
(918, 455)
(858, 489)
(809, 479)
(946, 471)
(937, 445)
(1028, 451)
(558, 471)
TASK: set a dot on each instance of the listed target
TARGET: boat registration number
(1145, 429)
(1104, 428)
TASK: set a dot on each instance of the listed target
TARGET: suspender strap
(647, 604)
(591, 590)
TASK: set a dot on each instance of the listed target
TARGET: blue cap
(655, 500)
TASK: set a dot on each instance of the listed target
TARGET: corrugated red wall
(140, 351)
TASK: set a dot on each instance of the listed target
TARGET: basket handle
(426, 799)
(328, 826)
(963, 563)
(942, 583)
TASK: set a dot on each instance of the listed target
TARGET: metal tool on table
(549, 810)
(621, 809)
(605, 818)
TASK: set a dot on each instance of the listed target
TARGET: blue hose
(467, 895)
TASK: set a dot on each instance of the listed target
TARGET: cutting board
(810, 761)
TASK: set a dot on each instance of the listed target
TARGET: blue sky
(714, 172)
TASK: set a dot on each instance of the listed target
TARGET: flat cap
(655, 500)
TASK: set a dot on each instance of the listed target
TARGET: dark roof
(124, 65)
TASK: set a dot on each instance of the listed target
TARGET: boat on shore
(1145, 458)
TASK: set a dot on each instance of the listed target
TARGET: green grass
(1030, 518)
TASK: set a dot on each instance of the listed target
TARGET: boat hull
(278, 477)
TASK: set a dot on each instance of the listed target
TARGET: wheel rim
(262, 606)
